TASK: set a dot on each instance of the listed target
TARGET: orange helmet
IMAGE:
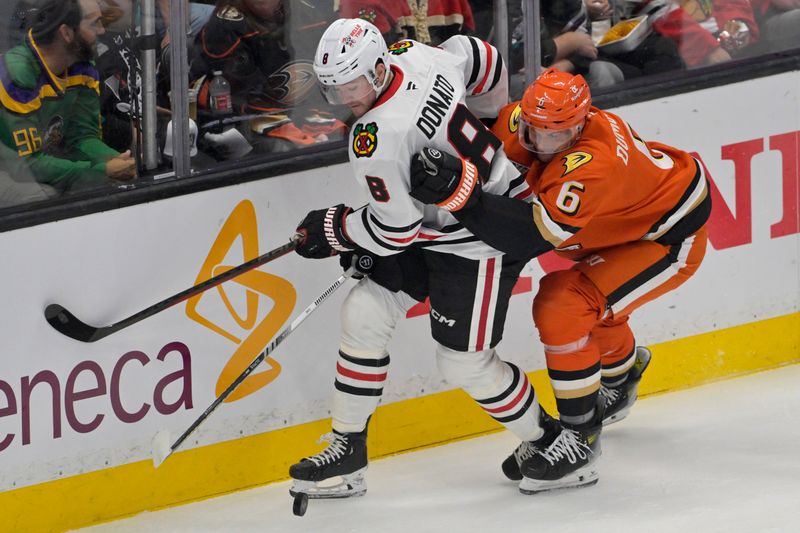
(553, 110)
(556, 100)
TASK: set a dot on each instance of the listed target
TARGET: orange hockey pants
(582, 314)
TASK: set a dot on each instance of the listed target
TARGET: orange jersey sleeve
(612, 187)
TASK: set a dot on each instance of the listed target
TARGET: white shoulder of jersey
(482, 64)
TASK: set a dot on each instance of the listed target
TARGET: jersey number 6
(568, 200)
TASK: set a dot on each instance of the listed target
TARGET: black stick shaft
(259, 359)
(68, 324)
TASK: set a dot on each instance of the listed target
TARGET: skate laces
(567, 445)
(337, 448)
(610, 395)
(525, 450)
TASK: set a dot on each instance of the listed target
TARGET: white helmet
(350, 48)
(192, 139)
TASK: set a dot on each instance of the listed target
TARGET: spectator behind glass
(653, 55)
(566, 45)
(708, 32)
(199, 14)
(264, 49)
(391, 18)
(434, 21)
(50, 113)
(120, 73)
(779, 21)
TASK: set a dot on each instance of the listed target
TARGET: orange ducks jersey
(611, 187)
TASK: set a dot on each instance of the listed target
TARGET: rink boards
(76, 419)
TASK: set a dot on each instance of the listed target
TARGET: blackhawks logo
(400, 47)
(365, 139)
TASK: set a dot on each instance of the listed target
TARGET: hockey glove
(362, 260)
(444, 180)
(383, 270)
(323, 233)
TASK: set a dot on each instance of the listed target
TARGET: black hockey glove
(362, 260)
(323, 233)
(383, 270)
(444, 180)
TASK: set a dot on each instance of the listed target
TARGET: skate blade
(347, 486)
(616, 417)
(583, 477)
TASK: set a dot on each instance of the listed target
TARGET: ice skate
(335, 472)
(619, 400)
(527, 448)
(569, 461)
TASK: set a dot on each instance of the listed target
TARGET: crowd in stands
(71, 72)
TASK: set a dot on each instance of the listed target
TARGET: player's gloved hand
(362, 260)
(323, 233)
(444, 180)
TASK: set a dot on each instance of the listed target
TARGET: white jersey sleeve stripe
(394, 239)
(476, 63)
(394, 229)
(488, 67)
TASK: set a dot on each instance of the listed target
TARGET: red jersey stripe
(346, 372)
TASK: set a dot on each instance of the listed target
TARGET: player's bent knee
(566, 300)
(478, 373)
(369, 315)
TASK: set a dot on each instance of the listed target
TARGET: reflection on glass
(609, 41)
(74, 80)
(256, 89)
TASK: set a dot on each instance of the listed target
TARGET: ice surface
(717, 458)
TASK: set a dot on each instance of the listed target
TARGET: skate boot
(619, 400)
(335, 472)
(569, 461)
(527, 448)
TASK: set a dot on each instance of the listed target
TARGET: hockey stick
(68, 324)
(161, 449)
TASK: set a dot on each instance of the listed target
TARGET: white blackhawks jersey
(435, 99)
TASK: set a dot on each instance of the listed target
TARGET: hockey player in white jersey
(404, 98)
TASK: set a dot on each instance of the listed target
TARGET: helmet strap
(387, 74)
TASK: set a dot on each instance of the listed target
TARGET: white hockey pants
(369, 316)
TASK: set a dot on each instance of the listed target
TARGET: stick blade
(160, 448)
(68, 324)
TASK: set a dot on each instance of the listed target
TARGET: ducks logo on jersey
(575, 160)
(365, 139)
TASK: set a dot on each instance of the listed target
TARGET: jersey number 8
(472, 140)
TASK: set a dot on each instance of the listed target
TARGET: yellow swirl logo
(241, 227)
(575, 160)
(513, 120)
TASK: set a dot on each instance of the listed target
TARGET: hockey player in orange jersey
(631, 214)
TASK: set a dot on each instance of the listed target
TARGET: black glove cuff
(333, 225)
